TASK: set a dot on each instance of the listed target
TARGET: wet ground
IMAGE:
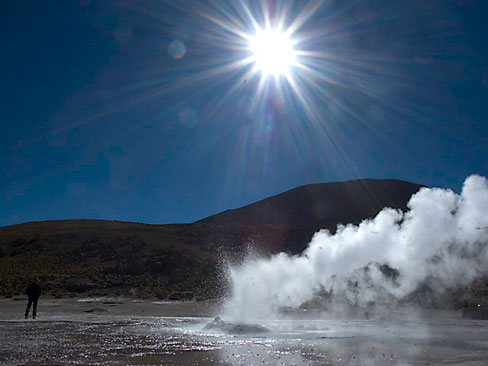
(124, 332)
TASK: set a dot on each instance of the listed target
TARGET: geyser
(441, 238)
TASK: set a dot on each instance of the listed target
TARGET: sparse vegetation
(97, 258)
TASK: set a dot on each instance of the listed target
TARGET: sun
(272, 52)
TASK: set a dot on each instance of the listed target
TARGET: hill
(181, 261)
(322, 204)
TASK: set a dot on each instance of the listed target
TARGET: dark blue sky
(105, 115)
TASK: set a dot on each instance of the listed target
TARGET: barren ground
(130, 332)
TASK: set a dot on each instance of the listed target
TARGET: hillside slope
(322, 204)
(105, 257)
(96, 257)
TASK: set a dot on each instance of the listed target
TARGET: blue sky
(141, 110)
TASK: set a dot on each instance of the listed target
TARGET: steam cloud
(441, 238)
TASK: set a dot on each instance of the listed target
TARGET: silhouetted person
(33, 291)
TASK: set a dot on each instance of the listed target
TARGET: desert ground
(121, 331)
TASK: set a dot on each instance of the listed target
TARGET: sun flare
(272, 52)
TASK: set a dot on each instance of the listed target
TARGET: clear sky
(154, 111)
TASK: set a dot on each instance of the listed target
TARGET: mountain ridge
(379, 190)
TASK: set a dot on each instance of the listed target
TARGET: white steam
(441, 238)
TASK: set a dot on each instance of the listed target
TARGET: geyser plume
(442, 238)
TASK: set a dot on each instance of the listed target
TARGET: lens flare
(294, 76)
(272, 52)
